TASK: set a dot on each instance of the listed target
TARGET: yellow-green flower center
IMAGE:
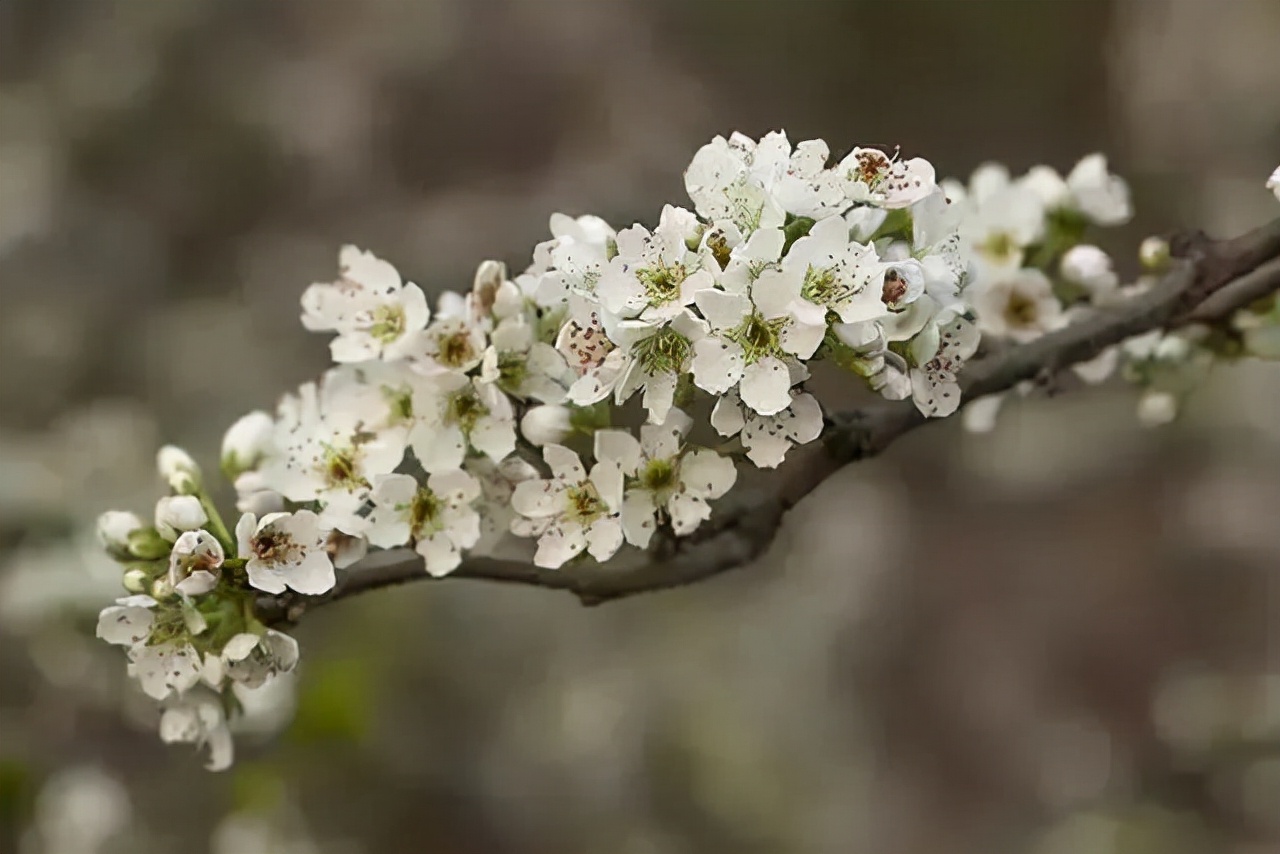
(424, 513)
(388, 323)
(662, 284)
(465, 409)
(658, 475)
(758, 337)
(585, 505)
(664, 352)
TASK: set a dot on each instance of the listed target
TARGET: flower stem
(215, 525)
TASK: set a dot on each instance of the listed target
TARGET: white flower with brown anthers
(571, 512)
(286, 550)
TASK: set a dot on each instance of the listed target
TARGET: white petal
(493, 437)
(239, 647)
(124, 625)
(620, 447)
(802, 421)
(440, 554)
(638, 522)
(605, 538)
(607, 477)
(314, 575)
(438, 446)
(766, 386)
(558, 545)
(660, 396)
(687, 513)
(264, 578)
(717, 365)
(707, 474)
(727, 417)
(723, 310)
(564, 463)
(537, 499)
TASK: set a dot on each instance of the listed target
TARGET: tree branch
(1211, 281)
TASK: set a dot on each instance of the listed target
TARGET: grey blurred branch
(1209, 282)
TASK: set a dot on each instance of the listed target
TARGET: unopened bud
(178, 513)
(178, 469)
(1090, 268)
(147, 544)
(1156, 408)
(114, 528)
(246, 442)
(1154, 254)
(546, 425)
(135, 580)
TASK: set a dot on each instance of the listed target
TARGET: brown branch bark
(1211, 281)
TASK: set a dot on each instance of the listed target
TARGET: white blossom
(374, 313)
(128, 622)
(575, 259)
(285, 550)
(873, 177)
(754, 338)
(440, 517)
(767, 438)
(195, 563)
(658, 355)
(522, 366)
(938, 359)
(198, 718)
(729, 180)
(655, 274)
(1001, 217)
(1156, 408)
(827, 270)
(461, 412)
(666, 480)
(1089, 189)
(1273, 183)
(497, 484)
(1016, 303)
(572, 511)
(450, 343)
(253, 660)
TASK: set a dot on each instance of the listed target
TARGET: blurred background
(1059, 638)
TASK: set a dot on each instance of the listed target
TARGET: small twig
(1212, 280)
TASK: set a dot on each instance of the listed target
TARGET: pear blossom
(285, 550)
(658, 354)
(728, 180)
(195, 563)
(177, 513)
(546, 425)
(754, 338)
(375, 314)
(128, 622)
(1002, 217)
(767, 438)
(1089, 189)
(253, 660)
(655, 274)
(1016, 303)
(462, 412)
(498, 482)
(450, 343)
(827, 270)
(522, 366)
(666, 480)
(571, 512)
(198, 718)
(938, 358)
(440, 517)
(873, 177)
(575, 259)
(1273, 183)
(329, 454)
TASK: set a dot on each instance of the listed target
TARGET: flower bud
(1090, 268)
(546, 425)
(114, 528)
(1156, 408)
(135, 580)
(161, 589)
(178, 469)
(1154, 254)
(147, 544)
(246, 442)
(178, 513)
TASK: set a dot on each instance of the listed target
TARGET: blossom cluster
(499, 415)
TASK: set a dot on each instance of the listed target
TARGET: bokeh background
(1059, 638)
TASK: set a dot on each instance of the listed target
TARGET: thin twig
(1212, 280)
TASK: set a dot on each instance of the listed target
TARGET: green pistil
(658, 475)
(388, 323)
(822, 287)
(662, 284)
(664, 352)
(455, 350)
(339, 467)
(465, 410)
(1000, 245)
(585, 505)
(758, 337)
(399, 405)
(513, 369)
(424, 512)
